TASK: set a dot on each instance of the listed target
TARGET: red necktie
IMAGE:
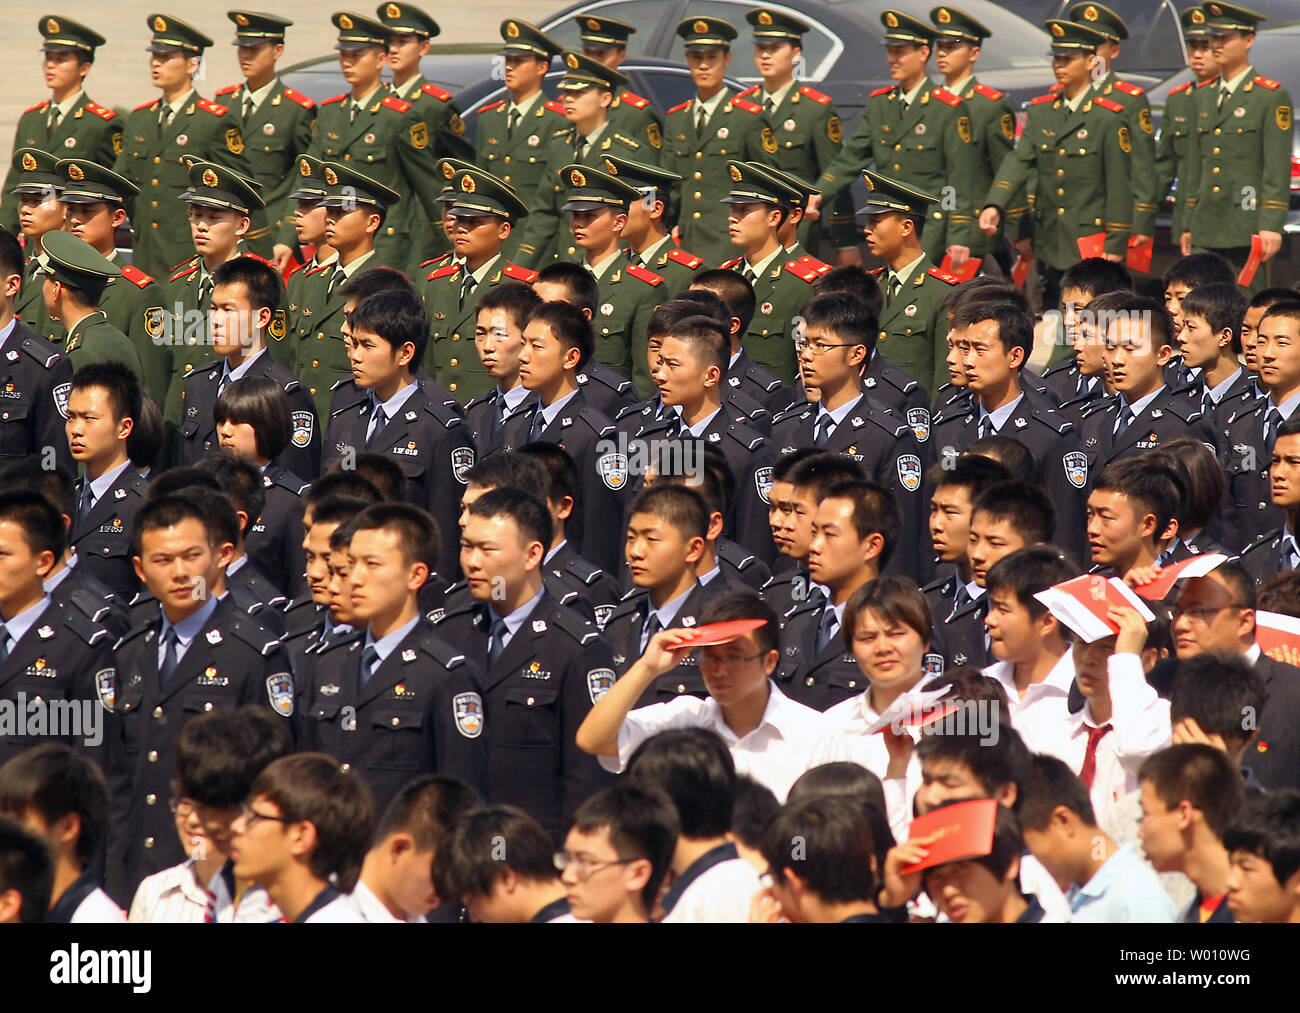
(1089, 771)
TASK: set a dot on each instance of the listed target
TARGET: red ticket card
(1196, 566)
(719, 633)
(1020, 271)
(1139, 256)
(1278, 636)
(1084, 603)
(1253, 261)
(967, 270)
(954, 832)
(1092, 246)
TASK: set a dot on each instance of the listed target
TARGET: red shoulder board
(746, 105)
(443, 272)
(494, 105)
(633, 99)
(336, 98)
(296, 269)
(815, 95)
(215, 108)
(1213, 80)
(1182, 88)
(1042, 98)
(641, 274)
(135, 276)
(193, 259)
(1267, 82)
(519, 273)
(878, 270)
(820, 266)
(41, 105)
(1110, 104)
(229, 89)
(749, 91)
(882, 91)
(147, 105)
(1056, 87)
(943, 276)
(102, 112)
(255, 256)
(396, 104)
(1128, 88)
(185, 274)
(804, 272)
(677, 109)
(686, 259)
(989, 93)
(946, 97)
(321, 267)
(729, 264)
(434, 260)
(441, 94)
(554, 106)
(300, 98)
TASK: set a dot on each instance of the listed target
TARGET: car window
(821, 48)
(643, 15)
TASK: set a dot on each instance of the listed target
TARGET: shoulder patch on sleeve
(1110, 104)
(215, 108)
(817, 96)
(641, 274)
(441, 94)
(229, 89)
(41, 105)
(946, 97)
(1267, 82)
(300, 98)
(881, 91)
(519, 273)
(677, 109)
(1128, 88)
(684, 258)
(554, 106)
(102, 112)
(1049, 97)
(135, 276)
(943, 276)
(991, 94)
(744, 105)
(804, 272)
(396, 104)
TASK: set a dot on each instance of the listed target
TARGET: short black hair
(169, 511)
(1201, 775)
(836, 856)
(823, 470)
(219, 755)
(1027, 508)
(398, 317)
(1281, 593)
(509, 468)
(970, 472)
(381, 470)
(1015, 326)
(561, 472)
(1097, 276)
(785, 464)
(715, 482)
(116, 379)
(144, 445)
(641, 823)
(705, 301)
(844, 779)
(1272, 296)
(1269, 826)
(1205, 484)
(55, 484)
(994, 761)
(181, 478)
(694, 768)
(416, 530)
(528, 512)
(374, 280)
(468, 863)
(745, 604)
(707, 339)
(680, 506)
(733, 289)
(1013, 455)
(40, 520)
(1052, 783)
(1030, 571)
(1128, 306)
(336, 509)
(54, 780)
(515, 299)
(261, 403)
(568, 326)
(11, 254)
(1221, 692)
(341, 483)
(875, 511)
(261, 281)
(848, 318)
(1197, 269)
(427, 807)
(1149, 486)
(1221, 306)
(754, 804)
(580, 284)
(241, 481)
(26, 865)
(981, 289)
(854, 281)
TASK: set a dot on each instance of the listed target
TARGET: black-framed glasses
(730, 662)
(819, 347)
(1202, 615)
(251, 816)
(583, 867)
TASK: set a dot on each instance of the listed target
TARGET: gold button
(882, 335)
(150, 799)
(315, 363)
(698, 174)
(1060, 172)
(313, 392)
(1217, 131)
(810, 681)
(506, 178)
(451, 387)
(1214, 189)
(156, 159)
(1214, 151)
(698, 195)
(681, 688)
(695, 214)
(455, 362)
(157, 712)
(455, 337)
(320, 335)
(506, 159)
(207, 705)
(1060, 192)
(897, 166)
(153, 203)
(898, 147)
(1060, 211)
(153, 225)
(347, 157)
(148, 842)
(153, 756)
(1214, 171)
(699, 154)
(1061, 151)
(154, 182)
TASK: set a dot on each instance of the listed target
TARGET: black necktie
(169, 658)
(511, 122)
(768, 105)
(87, 500)
(205, 290)
(902, 108)
(496, 641)
(986, 426)
(651, 627)
(895, 286)
(4, 644)
(498, 411)
(700, 119)
(379, 421)
(164, 113)
(248, 106)
(53, 121)
(579, 147)
(822, 431)
(539, 424)
(1126, 417)
(336, 279)
(1270, 428)
(830, 624)
(467, 286)
(369, 661)
(1292, 556)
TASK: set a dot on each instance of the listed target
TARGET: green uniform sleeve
(1013, 174)
(961, 161)
(1146, 186)
(538, 240)
(1275, 175)
(846, 165)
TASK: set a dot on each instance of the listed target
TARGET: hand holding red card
(964, 273)
(1278, 636)
(1253, 261)
(1163, 582)
(1092, 246)
(716, 633)
(1139, 255)
(953, 832)
(1084, 603)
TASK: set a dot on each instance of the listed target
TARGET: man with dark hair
(956, 489)
(500, 316)
(1130, 509)
(1189, 273)
(1082, 282)
(73, 277)
(26, 874)
(1210, 341)
(1277, 551)
(985, 889)
(1264, 842)
(1260, 303)
(646, 232)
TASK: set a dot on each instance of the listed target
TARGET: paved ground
(120, 77)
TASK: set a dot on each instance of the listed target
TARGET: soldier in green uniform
(913, 329)
(1077, 149)
(704, 133)
(605, 41)
(410, 31)
(1177, 126)
(803, 135)
(95, 199)
(36, 187)
(758, 203)
(1238, 183)
(588, 88)
(918, 133)
(158, 137)
(789, 231)
(275, 121)
(67, 123)
(486, 211)
(74, 278)
(597, 204)
(383, 135)
(645, 237)
(356, 207)
(1137, 114)
(309, 225)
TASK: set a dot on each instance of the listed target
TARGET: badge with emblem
(533, 140)
(70, 142)
(919, 420)
(61, 393)
(920, 129)
(599, 681)
(268, 129)
(106, 687)
(182, 139)
(462, 459)
(869, 381)
(408, 655)
(370, 138)
(303, 425)
(1083, 134)
(613, 470)
(1021, 422)
(467, 708)
(606, 309)
(1239, 112)
(910, 310)
(11, 355)
(329, 689)
(1076, 468)
(932, 665)
(279, 690)
(539, 625)
(766, 309)
(213, 637)
(909, 471)
(603, 612)
(722, 133)
(788, 125)
(763, 483)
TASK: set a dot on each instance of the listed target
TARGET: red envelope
(1195, 566)
(1252, 262)
(719, 633)
(1139, 257)
(1020, 271)
(1278, 636)
(967, 271)
(1092, 246)
(954, 832)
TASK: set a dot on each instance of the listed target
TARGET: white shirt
(1216, 393)
(775, 753)
(999, 415)
(176, 896)
(98, 909)
(1138, 406)
(1042, 715)
(339, 911)
(374, 910)
(721, 893)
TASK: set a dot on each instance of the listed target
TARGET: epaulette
(42, 351)
(494, 105)
(554, 106)
(319, 268)
(641, 274)
(137, 483)
(1202, 84)
(633, 99)
(969, 607)
(946, 97)
(1057, 87)
(605, 377)
(215, 108)
(523, 274)
(599, 430)
(336, 98)
(685, 259)
(41, 105)
(802, 271)
(1053, 421)
(1057, 367)
(729, 264)
(185, 273)
(1267, 82)
(229, 89)
(135, 276)
(337, 385)
(300, 98)
(768, 384)
(193, 259)
(735, 555)
(575, 626)
(255, 635)
(434, 260)
(290, 481)
(748, 91)
(885, 422)
(255, 256)
(939, 585)
(881, 91)
(677, 109)
(585, 572)
(1268, 536)
(1189, 412)
(132, 633)
(1128, 88)
(989, 93)
(92, 607)
(744, 105)
(1182, 88)
(632, 409)
(820, 266)
(103, 112)
(441, 651)
(745, 436)
(943, 276)
(337, 640)
(898, 379)
(1108, 103)
(1049, 97)
(443, 272)
(147, 105)
(448, 418)
(441, 94)
(817, 96)
(396, 104)
(799, 411)
(875, 270)
(88, 631)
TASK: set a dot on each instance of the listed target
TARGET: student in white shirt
(396, 882)
(770, 737)
(59, 794)
(710, 881)
(303, 836)
(26, 874)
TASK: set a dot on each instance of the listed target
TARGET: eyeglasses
(1203, 615)
(181, 806)
(251, 816)
(582, 867)
(731, 662)
(818, 347)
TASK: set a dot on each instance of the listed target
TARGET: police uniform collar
(89, 320)
(191, 626)
(240, 371)
(837, 415)
(554, 551)
(709, 105)
(516, 619)
(551, 411)
(386, 644)
(1000, 416)
(18, 626)
(100, 487)
(669, 610)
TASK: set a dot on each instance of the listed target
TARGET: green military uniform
(156, 141)
(274, 129)
(132, 301)
(35, 172)
(1080, 162)
(389, 140)
(1174, 146)
(72, 261)
(699, 153)
(632, 115)
(1240, 147)
(310, 187)
(928, 145)
(85, 129)
(677, 267)
(320, 358)
(451, 291)
(545, 235)
(913, 330)
(781, 285)
(802, 133)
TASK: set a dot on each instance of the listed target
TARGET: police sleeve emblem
(279, 689)
(106, 687)
(61, 392)
(462, 459)
(1076, 468)
(599, 680)
(909, 472)
(919, 420)
(304, 423)
(468, 711)
(613, 469)
(763, 483)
